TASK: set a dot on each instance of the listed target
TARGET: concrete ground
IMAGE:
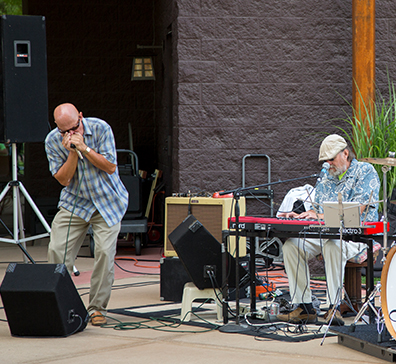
(142, 343)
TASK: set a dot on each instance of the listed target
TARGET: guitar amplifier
(213, 213)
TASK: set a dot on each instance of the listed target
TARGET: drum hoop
(384, 302)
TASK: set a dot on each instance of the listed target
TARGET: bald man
(82, 158)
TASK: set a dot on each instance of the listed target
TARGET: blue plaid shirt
(356, 185)
(99, 190)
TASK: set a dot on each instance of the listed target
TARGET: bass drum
(388, 291)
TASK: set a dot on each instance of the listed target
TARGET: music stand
(347, 215)
(17, 210)
(350, 214)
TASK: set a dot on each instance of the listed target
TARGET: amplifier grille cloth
(209, 215)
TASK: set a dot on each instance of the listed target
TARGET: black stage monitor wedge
(23, 81)
(41, 300)
(198, 250)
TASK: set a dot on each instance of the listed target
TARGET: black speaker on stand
(23, 81)
(23, 104)
(41, 300)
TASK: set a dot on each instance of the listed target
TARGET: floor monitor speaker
(199, 251)
(41, 300)
(23, 81)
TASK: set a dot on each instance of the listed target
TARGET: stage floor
(134, 335)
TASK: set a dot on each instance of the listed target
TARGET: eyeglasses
(330, 160)
(71, 129)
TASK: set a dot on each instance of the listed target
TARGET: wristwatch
(87, 150)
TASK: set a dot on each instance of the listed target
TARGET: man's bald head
(65, 111)
(66, 116)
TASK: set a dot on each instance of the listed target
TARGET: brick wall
(263, 77)
(385, 43)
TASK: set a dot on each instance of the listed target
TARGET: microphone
(79, 153)
(325, 168)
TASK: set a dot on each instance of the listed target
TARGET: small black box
(173, 277)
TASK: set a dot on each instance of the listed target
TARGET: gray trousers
(105, 238)
(297, 252)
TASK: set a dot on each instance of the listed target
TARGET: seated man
(355, 181)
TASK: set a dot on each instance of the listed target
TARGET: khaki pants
(105, 238)
(297, 252)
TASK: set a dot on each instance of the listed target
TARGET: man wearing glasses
(82, 157)
(355, 181)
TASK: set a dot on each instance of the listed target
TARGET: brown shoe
(337, 319)
(97, 319)
(298, 317)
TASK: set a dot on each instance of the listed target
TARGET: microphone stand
(237, 327)
(268, 184)
(237, 214)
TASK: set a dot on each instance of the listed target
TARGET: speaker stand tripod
(18, 227)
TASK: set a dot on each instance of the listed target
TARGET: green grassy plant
(371, 131)
(11, 7)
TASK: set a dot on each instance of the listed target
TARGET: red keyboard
(253, 223)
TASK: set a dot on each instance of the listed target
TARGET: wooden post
(363, 57)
